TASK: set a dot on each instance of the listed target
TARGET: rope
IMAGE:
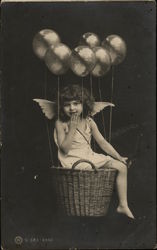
(91, 91)
(91, 85)
(102, 113)
(82, 95)
(45, 85)
(112, 83)
(58, 86)
(58, 105)
(46, 122)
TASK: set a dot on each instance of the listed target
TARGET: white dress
(81, 149)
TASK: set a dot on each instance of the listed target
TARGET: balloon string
(91, 85)
(49, 142)
(47, 127)
(112, 83)
(91, 90)
(58, 85)
(58, 105)
(82, 95)
(102, 113)
(45, 85)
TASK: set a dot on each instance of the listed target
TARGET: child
(73, 131)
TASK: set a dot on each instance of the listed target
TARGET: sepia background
(29, 202)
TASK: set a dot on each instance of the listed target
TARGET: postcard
(78, 125)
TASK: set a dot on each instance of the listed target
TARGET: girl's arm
(103, 144)
(65, 139)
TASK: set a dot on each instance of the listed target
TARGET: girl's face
(72, 107)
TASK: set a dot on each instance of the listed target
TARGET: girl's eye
(66, 105)
(76, 103)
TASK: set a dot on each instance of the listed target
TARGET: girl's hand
(124, 160)
(74, 120)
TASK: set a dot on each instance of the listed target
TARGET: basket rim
(84, 170)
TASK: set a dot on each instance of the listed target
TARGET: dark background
(29, 203)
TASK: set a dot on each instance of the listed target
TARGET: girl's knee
(121, 167)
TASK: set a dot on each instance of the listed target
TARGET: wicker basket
(83, 192)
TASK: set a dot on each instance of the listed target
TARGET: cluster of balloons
(91, 56)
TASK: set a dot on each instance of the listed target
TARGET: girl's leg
(121, 183)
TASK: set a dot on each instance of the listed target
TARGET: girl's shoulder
(89, 118)
(91, 122)
(60, 124)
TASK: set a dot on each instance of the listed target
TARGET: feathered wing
(48, 107)
(98, 106)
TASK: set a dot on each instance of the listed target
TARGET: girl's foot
(125, 210)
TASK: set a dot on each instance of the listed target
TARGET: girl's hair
(75, 92)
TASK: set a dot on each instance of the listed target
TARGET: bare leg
(121, 183)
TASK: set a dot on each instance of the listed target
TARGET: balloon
(116, 47)
(57, 58)
(82, 60)
(42, 40)
(103, 62)
(90, 39)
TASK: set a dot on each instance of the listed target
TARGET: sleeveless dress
(81, 149)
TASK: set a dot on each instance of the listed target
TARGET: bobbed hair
(74, 92)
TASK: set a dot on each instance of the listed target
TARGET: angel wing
(48, 107)
(98, 106)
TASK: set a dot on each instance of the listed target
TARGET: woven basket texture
(83, 192)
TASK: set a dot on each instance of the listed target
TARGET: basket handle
(79, 161)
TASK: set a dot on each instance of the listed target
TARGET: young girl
(73, 131)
